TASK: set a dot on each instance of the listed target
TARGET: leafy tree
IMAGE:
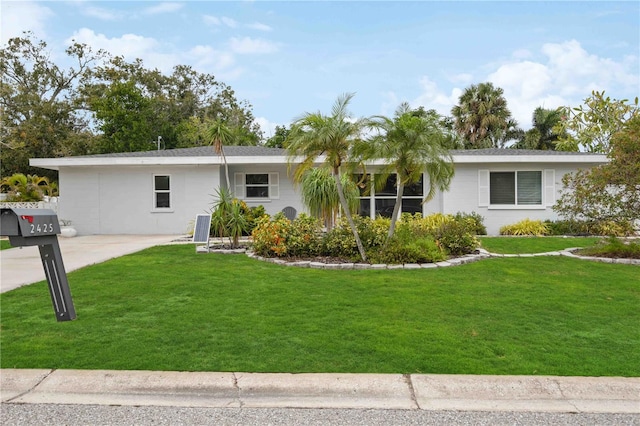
(412, 143)
(41, 112)
(543, 135)
(590, 126)
(183, 101)
(125, 117)
(609, 192)
(332, 136)
(482, 118)
(277, 140)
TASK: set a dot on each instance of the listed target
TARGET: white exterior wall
(463, 195)
(287, 194)
(119, 200)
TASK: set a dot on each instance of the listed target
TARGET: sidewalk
(22, 266)
(353, 391)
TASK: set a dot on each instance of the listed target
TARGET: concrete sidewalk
(22, 266)
(357, 391)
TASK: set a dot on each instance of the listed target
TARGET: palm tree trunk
(396, 209)
(347, 213)
(226, 167)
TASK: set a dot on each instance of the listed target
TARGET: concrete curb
(283, 390)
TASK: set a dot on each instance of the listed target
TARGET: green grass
(523, 245)
(4, 244)
(167, 308)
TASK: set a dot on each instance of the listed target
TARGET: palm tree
(413, 143)
(22, 187)
(330, 137)
(544, 133)
(320, 194)
(482, 117)
(220, 134)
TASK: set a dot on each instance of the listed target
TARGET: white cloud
(248, 45)
(433, 97)
(167, 7)
(563, 74)
(229, 22)
(219, 21)
(101, 13)
(20, 16)
(259, 26)
(131, 46)
(211, 20)
(268, 128)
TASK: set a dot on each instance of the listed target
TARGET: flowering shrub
(270, 236)
(305, 237)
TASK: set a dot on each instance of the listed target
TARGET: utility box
(40, 227)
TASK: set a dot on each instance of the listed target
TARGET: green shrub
(611, 228)
(525, 227)
(614, 247)
(400, 251)
(457, 238)
(305, 236)
(475, 221)
(252, 215)
(605, 228)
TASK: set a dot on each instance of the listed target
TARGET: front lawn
(167, 308)
(524, 245)
(5, 244)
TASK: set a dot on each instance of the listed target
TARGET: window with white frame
(520, 188)
(259, 186)
(161, 192)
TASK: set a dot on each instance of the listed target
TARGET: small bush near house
(457, 238)
(270, 236)
(525, 227)
(305, 236)
(614, 247)
(584, 228)
(475, 221)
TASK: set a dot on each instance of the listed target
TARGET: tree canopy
(591, 126)
(103, 104)
(482, 117)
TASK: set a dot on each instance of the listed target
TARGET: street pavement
(44, 396)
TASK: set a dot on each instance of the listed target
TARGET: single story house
(161, 192)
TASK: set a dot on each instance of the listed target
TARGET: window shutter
(483, 188)
(549, 187)
(239, 186)
(274, 185)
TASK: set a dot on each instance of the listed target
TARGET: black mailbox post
(40, 227)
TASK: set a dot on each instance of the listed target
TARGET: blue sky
(288, 58)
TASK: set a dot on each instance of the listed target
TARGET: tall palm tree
(412, 143)
(220, 134)
(544, 133)
(482, 117)
(329, 137)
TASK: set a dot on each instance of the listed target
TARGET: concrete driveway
(22, 266)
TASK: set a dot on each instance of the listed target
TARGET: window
(525, 188)
(161, 192)
(382, 201)
(257, 185)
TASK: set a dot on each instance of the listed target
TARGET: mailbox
(40, 227)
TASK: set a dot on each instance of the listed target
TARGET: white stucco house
(161, 192)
